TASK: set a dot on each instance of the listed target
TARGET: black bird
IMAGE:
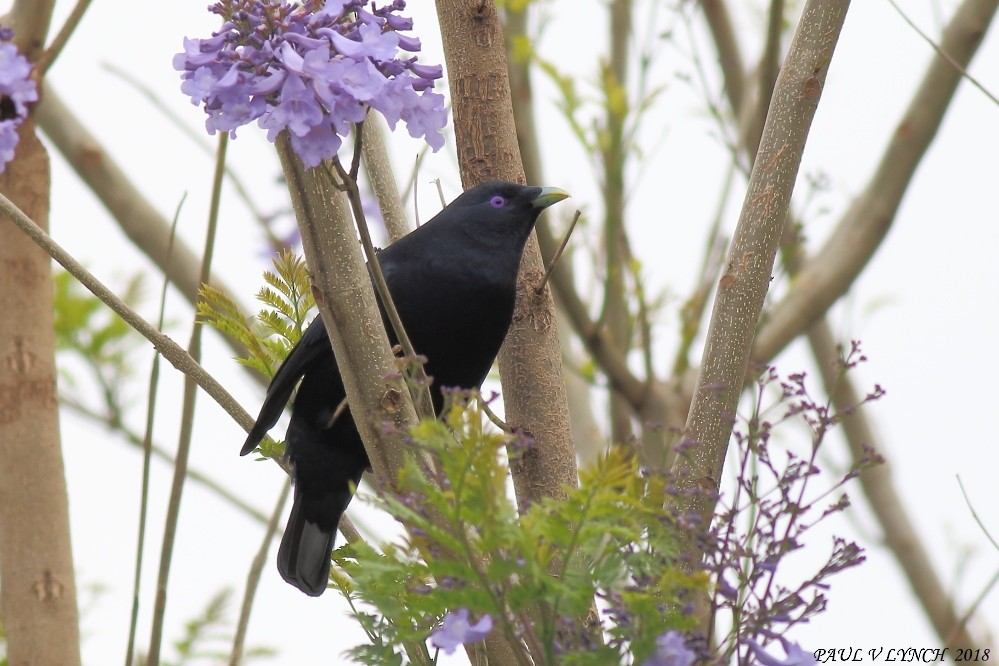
(453, 281)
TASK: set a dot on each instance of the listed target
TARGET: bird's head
(501, 210)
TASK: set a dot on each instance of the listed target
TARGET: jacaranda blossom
(311, 68)
(456, 630)
(795, 655)
(671, 650)
(17, 90)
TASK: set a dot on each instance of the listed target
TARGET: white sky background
(925, 309)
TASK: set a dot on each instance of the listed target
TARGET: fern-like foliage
(270, 335)
(536, 575)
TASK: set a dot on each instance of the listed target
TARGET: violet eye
(497, 202)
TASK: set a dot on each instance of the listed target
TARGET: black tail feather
(304, 554)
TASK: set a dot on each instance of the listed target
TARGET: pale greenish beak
(549, 196)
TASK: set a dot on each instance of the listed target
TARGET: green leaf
(533, 573)
(270, 335)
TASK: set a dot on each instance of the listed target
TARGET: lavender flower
(795, 655)
(671, 650)
(17, 90)
(311, 68)
(456, 630)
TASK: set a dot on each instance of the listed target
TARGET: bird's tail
(304, 554)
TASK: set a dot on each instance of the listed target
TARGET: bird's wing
(312, 344)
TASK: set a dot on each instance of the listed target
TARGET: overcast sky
(925, 309)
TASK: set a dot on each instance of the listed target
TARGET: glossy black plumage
(453, 281)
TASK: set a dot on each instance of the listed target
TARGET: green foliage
(88, 329)
(270, 335)
(535, 574)
(610, 114)
(207, 638)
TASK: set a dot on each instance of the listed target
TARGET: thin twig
(253, 578)
(381, 177)
(962, 622)
(50, 54)
(974, 514)
(115, 424)
(416, 191)
(558, 253)
(692, 312)
(411, 186)
(497, 421)
(186, 423)
(987, 588)
(440, 191)
(170, 350)
(337, 413)
(729, 53)
(147, 448)
(424, 403)
(201, 141)
(943, 54)
(355, 162)
(644, 320)
(769, 67)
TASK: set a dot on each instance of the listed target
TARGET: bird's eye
(497, 202)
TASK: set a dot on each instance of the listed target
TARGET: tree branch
(827, 276)
(729, 55)
(743, 286)
(382, 178)
(170, 350)
(30, 20)
(614, 315)
(140, 221)
(899, 533)
(342, 289)
(877, 484)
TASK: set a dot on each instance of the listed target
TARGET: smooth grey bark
(746, 277)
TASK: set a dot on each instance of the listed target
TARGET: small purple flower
(8, 141)
(311, 68)
(794, 654)
(17, 91)
(671, 650)
(456, 630)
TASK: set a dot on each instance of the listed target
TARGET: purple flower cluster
(17, 90)
(311, 68)
(767, 518)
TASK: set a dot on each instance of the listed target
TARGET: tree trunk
(530, 361)
(37, 583)
(746, 278)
